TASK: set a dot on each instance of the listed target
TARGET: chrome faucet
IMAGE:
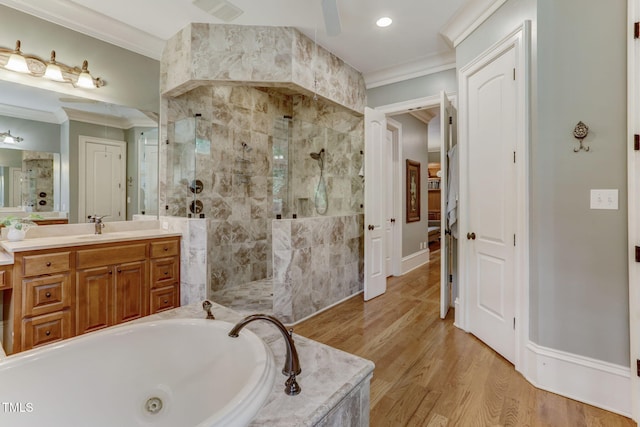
(291, 363)
(97, 220)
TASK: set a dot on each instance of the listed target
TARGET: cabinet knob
(47, 333)
(48, 295)
(110, 271)
(119, 271)
(49, 264)
(166, 273)
(166, 301)
(166, 249)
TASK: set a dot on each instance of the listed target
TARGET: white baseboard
(414, 261)
(595, 382)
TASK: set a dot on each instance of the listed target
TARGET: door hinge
(451, 278)
(166, 141)
(514, 74)
(636, 142)
(638, 367)
(119, 156)
(514, 323)
(450, 120)
(636, 30)
(514, 157)
(514, 240)
(637, 253)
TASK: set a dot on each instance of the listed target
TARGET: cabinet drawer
(45, 294)
(165, 248)
(87, 258)
(164, 271)
(35, 265)
(46, 329)
(164, 298)
(5, 278)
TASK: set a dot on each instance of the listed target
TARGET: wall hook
(580, 132)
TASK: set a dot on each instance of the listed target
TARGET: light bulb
(16, 61)
(84, 79)
(53, 71)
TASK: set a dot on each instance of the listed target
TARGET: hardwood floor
(430, 373)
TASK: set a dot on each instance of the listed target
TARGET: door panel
(492, 210)
(375, 279)
(446, 111)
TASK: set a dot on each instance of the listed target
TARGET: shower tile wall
(316, 263)
(235, 160)
(37, 188)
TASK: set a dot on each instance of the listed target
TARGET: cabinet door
(94, 299)
(130, 301)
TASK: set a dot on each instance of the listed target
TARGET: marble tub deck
(335, 384)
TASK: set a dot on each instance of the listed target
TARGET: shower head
(318, 155)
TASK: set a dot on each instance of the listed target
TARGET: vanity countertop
(328, 374)
(56, 241)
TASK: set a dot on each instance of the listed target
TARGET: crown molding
(31, 114)
(421, 67)
(469, 17)
(107, 120)
(91, 23)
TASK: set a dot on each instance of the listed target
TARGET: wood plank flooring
(430, 373)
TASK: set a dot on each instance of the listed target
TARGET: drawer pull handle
(49, 264)
(48, 295)
(47, 333)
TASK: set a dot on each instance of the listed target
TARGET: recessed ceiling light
(385, 21)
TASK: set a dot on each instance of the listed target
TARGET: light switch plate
(604, 199)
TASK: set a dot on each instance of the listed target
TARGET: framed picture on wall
(413, 191)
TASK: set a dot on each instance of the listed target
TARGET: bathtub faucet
(291, 363)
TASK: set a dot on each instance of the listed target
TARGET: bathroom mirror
(56, 125)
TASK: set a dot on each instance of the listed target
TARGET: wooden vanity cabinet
(58, 294)
(110, 286)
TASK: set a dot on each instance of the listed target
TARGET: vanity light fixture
(7, 138)
(35, 66)
(383, 22)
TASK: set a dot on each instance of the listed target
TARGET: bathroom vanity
(65, 280)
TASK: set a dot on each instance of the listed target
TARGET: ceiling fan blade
(331, 17)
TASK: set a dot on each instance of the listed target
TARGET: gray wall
(414, 147)
(419, 87)
(38, 136)
(579, 283)
(132, 79)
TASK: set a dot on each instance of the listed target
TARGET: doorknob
(471, 236)
(393, 220)
(371, 227)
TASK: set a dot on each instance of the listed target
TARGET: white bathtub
(118, 377)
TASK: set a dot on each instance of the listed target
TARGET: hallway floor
(430, 373)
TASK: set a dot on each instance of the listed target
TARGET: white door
(102, 178)
(375, 278)
(491, 210)
(446, 122)
(390, 208)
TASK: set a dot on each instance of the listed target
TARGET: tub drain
(153, 405)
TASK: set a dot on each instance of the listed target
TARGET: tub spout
(291, 363)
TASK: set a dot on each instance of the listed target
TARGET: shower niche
(315, 170)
